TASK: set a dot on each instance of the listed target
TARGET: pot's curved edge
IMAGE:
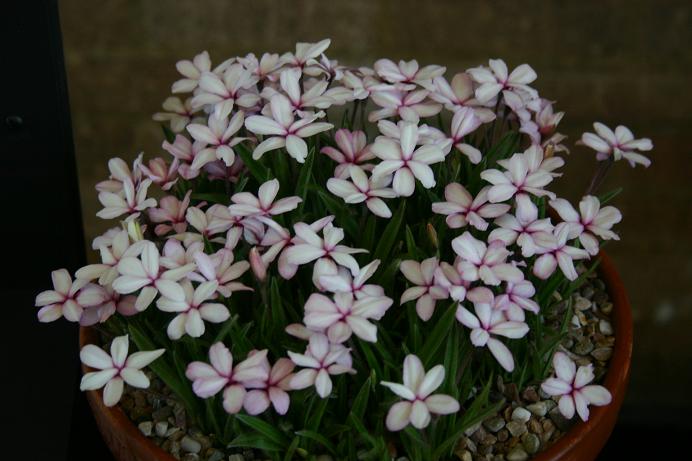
(585, 440)
(128, 443)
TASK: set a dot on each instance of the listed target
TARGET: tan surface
(613, 61)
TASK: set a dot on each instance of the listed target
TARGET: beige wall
(613, 61)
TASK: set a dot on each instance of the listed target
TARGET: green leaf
(438, 335)
(608, 196)
(292, 449)
(211, 197)
(278, 314)
(390, 234)
(270, 432)
(339, 210)
(360, 403)
(255, 441)
(304, 178)
(168, 133)
(315, 418)
(319, 438)
(257, 170)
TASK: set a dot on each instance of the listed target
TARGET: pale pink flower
(521, 227)
(121, 173)
(305, 54)
(161, 173)
(363, 189)
(516, 298)
(407, 71)
(67, 298)
(319, 362)
(426, 134)
(236, 87)
(177, 254)
(209, 380)
(541, 130)
(345, 316)
(301, 98)
(409, 106)
(405, 161)
(300, 331)
(490, 321)
(263, 68)
(352, 150)
(257, 264)
(215, 220)
(131, 201)
(620, 144)
(187, 153)
(484, 262)
(262, 206)
(572, 385)
(192, 71)
(111, 253)
(278, 238)
(464, 122)
(193, 308)
(496, 79)
(284, 130)
(555, 252)
(218, 136)
(177, 113)
(450, 278)
(145, 274)
(361, 82)
(112, 302)
(416, 391)
(220, 268)
(171, 214)
(115, 369)
(463, 209)
(590, 222)
(355, 284)
(272, 390)
(459, 94)
(425, 289)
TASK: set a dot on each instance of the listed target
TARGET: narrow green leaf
(319, 438)
(255, 441)
(211, 197)
(360, 403)
(438, 335)
(304, 178)
(391, 233)
(270, 432)
(257, 170)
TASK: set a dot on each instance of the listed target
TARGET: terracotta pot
(581, 443)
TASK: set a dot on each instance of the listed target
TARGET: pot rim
(616, 378)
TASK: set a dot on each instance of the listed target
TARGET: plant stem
(599, 176)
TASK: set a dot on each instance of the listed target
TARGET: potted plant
(354, 264)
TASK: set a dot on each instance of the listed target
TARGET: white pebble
(145, 427)
(190, 445)
(161, 428)
(605, 327)
(521, 414)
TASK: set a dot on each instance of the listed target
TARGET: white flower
(490, 320)
(573, 386)
(352, 150)
(115, 369)
(132, 200)
(237, 86)
(620, 144)
(484, 262)
(409, 106)
(283, 130)
(178, 114)
(459, 94)
(516, 298)
(405, 161)
(590, 222)
(273, 390)
(355, 284)
(521, 228)
(186, 152)
(220, 268)
(67, 299)
(363, 189)
(416, 391)
(462, 209)
(305, 54)
(314, 96)
(111, 253)
(262, 206)
(215, 220)
(218, 136)
(464, 122)
(555, 252)
(344, 316)
(407, 71)
(450, 278)
(496, 79)
(426, 291)
(192, 308)
(320, 360)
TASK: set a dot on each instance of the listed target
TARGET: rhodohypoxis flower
(490, 320)
(459, 94)
(409, 106)
(171, 214)
(346, 283)
(407, 71)
(352, 150)
(145, 274)
(178, 113)
(319, 361)
(263, 68)
(218, 136)
(522, 226)
(67, 298)
(345, 315)
(220, 268)
(208, 380)
(235, 87)
(192, 308)
(620, 144)
(273, 390)
(161, 173)
(449, 277)
(426, 291)
(572, 385)
(416, 391)
(555, 252)
(283, 130)
(484, 262)
(187, 153)
(462, 208)
(115, 368)
(496, 79)
(464, 122)
(192, 71)
(516, 298)
(132, 200)
(591, 221)
(262, 206)
(405, 161)
(111, 253)
(300, 98)
(119, 174)
(305, 54)
(363, 189)
(542, 130)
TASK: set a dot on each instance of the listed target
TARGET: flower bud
(432, 235)
(549, 150)
(135, 231)
(257, 265)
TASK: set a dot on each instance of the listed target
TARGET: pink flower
(67, 299)
(192, 71)
(416, 391)
(345, 316)
(278, 239)
(178, 114)
(462, 209)
(464, 122)
(352, 150)
(488, 321)
(496, 79)
(192, 308)
(458, 95)
(542, 129)
(215, 220)
(450, 278)
(131, 201)
(572, 385)
(521, 228)
(620, 144)
(426, 291)
(111, 253)
(516, 299)
(346, 283)
(218, 136)
(407, 71)
(305, 54)
(363, 189)
(161, 173)
(283, 130)
(590, 222)
(262, 206)
(263, 68)
(300, 98)
(409, 106)
(236, 86)
(319, 362)
(402, 159)
(555, 252)
(171, 214)
(187, 153)
(208, 380)
(115, 369)
(220, 268)
(120, 173)
(273, 390)
(484, 262)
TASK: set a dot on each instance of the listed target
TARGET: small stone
(607, 308)
(535, 426)
(175, 449)
(516, 428)
(587, 292)
(602, 353)
(503, 435)
(530, 395)
(517, 454)
(531, 443)
(174, 433)
(605, 327)
(464, 455)
(162, 413)
(600, 297)
(146, 427)
(548, 429)
(521, 414)
(216, 455)
(161, 428)
(468, 432)
(190, 445)
(539, 408)
(494, 424)
(512, 392)
(190, 457)
(583, 347)
(560, 421)
(489, 439)
(499, 458)
(179, 415)
(236, 457)
(582, 304)
(479, 435)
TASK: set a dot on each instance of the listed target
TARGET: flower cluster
(283, 239)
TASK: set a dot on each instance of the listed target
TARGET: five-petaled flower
(363, 189)
(352, 150)
(67, 298)
(554, 251)
(320, 360)
(618, 145)
(590, 222)
(462, 208)
(484, 262)
(495, 79)
(425, 289)
(271, 391)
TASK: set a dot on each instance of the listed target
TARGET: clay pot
(582, 442)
